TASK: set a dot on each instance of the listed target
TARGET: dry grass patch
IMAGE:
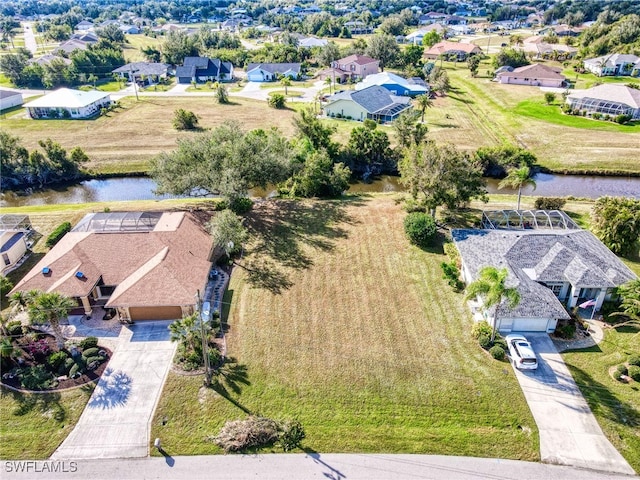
(343, 325)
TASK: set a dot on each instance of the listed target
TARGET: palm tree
(518, 178)
(328, 82)
(93, 79)
(186, 331)
(285, 82)
(490, 286)
(424, 102)
(50, 307)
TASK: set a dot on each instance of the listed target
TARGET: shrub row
(58, 233)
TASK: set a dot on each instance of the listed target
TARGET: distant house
(536, 75)
(375, 103)
(552, 263)
(607, 99)
(311, 42)
(417, 36)
(87, 37)
(336, 75)
(147, 71)
(557, 51)
(145, 265)
(203, 69)
(47, 58)
(269, 72)
(617, 65)
(83, 26)
(357, 66)
(130, 30)
(394, 83)
(356, 27)
(457, 50)
(10, 99)
(67, 103)
(71, 46)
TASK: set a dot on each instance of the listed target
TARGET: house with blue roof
(374, 103)
(203, 69)
(395, 84)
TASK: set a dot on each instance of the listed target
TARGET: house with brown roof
(356, 66)
(145, 265)
(458, 51)
(535, 75)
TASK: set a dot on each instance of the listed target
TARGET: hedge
(58, 233)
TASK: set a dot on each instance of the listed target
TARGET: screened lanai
(119, 222)
(527, 219)
(15, 222)
(599, 105)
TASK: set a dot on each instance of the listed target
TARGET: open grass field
(480, 112)
(126, 139)
(33, 426)
(337, 321)
(134, 43)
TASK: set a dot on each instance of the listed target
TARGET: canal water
(142, 188)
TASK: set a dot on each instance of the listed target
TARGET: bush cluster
(549, 203)
(88, 342)
(420, 228)
(451, 274)
(58, 233)
(482, 332)
(634, 372)
(634, 360)
(256, 432)
(497, 352)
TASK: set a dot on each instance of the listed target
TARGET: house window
(556, 289)
(589, 292)
(5, 257)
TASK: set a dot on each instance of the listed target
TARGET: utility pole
(205, 346)
(135, 87)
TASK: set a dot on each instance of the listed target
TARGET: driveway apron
(569, 433)
(116, 421)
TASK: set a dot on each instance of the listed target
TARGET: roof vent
(79, 275)
(46, 271)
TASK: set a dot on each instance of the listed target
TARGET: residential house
(203, 69)
(417, 36)
(375, 103)
(356, 27)
(552, 263)
(15, 231)
(537, 47)
(68, 103)
(269, 72)
(311, 42)
(459, 51)
(146, 265)
(561, 30)
(47, 58)
(394, 83)
(87, 37)
(147, 72)
(357, 66)
(536, 75)
(336, 75)
(130, 29)
(71, 45)
(617, 64)
(431, 17)
(84, 26)
(9, 99)
(607, 99)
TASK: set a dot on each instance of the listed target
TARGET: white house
(607, 99)
(534, 75)
(67, 103)
(617, 65)
(394, 83)
(552, 263)
(9, 99)
(13, 246)
(268, 72)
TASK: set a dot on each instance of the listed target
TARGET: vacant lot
(480, 112)
(337, 321)
(126, 139)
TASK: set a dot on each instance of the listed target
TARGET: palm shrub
(185, 120)
(634, 372)
(277, 100)
(420, 228)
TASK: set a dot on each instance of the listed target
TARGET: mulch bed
(86, 378)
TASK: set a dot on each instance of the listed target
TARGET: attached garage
(155, 313)
(528, 325)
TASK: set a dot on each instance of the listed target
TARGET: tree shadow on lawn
(603, 400)
(45, 403)
(229, 379)
(283, 228)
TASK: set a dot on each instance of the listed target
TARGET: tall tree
(228, 232)
(439, 175)
(423, 102)
(286, 83)
(51, 308)
(491, 287)
(630, 304)
(329, 53)
(177, 46)
(308, 125)
(409, 131)
(518, 178)
(225, 161)
(383, 48)
(616, 221)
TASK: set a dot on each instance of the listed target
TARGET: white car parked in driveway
(521, 352)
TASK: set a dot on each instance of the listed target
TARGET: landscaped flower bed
(31, 360)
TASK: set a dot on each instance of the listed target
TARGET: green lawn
(552, 114)
(337, 321)
(616, 405)
(134, 43)
(33, 426)
(588, 79)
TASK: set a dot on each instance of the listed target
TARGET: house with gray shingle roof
(615, 64)
(552, 269)
(150, 72)
(269, 72)
(375, 103)
(203, 69)
(606, 99)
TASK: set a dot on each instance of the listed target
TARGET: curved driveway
(569, 433)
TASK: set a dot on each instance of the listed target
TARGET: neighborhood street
(569, 433)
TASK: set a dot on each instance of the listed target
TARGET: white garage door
(530, 325)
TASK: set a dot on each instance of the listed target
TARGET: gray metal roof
(373, 99)
(574, 256)
(275, 67)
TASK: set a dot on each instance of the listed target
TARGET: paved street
(116, 421)
(569, 433)
(301, 467)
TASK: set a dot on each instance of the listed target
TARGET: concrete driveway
(569, 433)
(116, 421)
